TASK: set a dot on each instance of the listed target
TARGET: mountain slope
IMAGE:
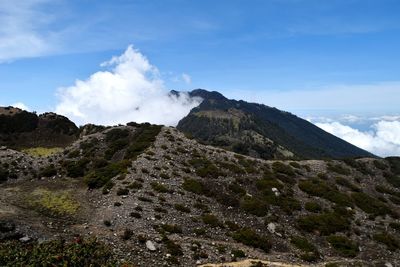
(262, 131)
(157, 198)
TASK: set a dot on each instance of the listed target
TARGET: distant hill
(261, 131)
(19, 128)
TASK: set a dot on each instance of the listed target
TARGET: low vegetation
(58, 203)
(250, 238)
(343, 245)
(79, 252)
(42, 151)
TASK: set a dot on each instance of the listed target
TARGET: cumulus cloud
(129, 90)
(383, 139)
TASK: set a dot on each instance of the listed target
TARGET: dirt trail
(251, 262)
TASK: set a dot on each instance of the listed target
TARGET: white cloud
(131, 90)
(383, 139)
(21, 105)
(186, 78)
(21, 33)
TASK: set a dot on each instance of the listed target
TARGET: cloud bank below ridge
(383, 139)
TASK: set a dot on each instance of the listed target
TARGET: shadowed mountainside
(261, 131)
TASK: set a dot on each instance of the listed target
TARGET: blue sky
(323, 60)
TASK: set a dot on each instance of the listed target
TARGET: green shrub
(115, 146)
(144, 137)
(48, 171)
(279, 167)
(3, 174)
(386, 190)
(393, 179)
(302, 244)
(172, 248)
(313, 207)
(99, 177)
(346, 183)
(390, 241)
(135, 215)
(370, 205)
(295, 165)
(193, 185)
(237, 253)
(320, 188)
(344, 246)
(211, 220)
(80, 252)
(289, 204)
(395, 226)
(379, 164)
(205, 168)
(135, 185)
(182, 208)
(164, 175)
(237, 189)
(122, 191)
(116, 134)
(310, 252)
(325, 223)
(76, 168)
(338, 168)
(172, 228)
(234, 168)
(127, 234)
(249, 237)
(254, 206)
(160, 188)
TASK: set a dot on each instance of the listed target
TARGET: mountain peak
(207, 95)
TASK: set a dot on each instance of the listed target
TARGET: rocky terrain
(150, 196)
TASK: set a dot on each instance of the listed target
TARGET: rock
(275, 191)
(271, 228)
(150, 246)
(25, 239)
(388, 264)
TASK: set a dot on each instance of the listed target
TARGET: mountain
(19, 128)
(146, 195)
(261, 131)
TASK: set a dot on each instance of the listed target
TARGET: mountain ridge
(287, 131)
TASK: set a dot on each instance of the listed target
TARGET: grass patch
(42, 151)
(59, 203)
